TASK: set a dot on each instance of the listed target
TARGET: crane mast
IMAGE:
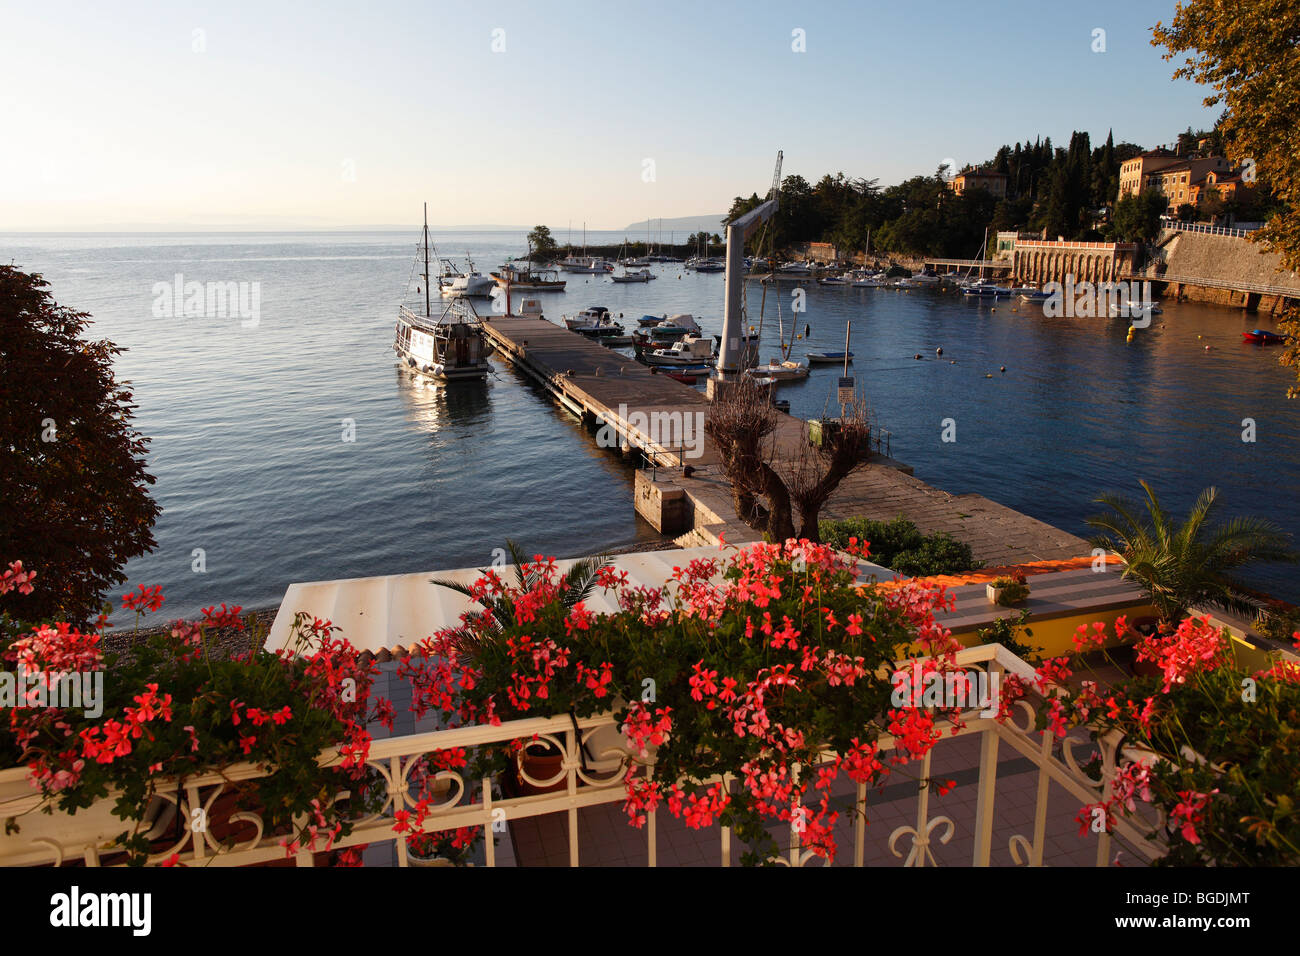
(730, 358)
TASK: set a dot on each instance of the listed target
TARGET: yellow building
(988, 179)
(1133, 173)
(1179, 180)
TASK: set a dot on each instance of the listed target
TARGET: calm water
(247, 423)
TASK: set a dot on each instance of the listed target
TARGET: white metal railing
(596, 780)
(1154, 272)
(1205, 228)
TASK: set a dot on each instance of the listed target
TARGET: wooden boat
(528, 279)
(687, 376)
(447, 347)
(1264, 337)
(827, 358)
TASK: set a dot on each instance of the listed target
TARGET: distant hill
(682, 225)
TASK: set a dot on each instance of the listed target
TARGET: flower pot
(415, 859)
(1145, 627)
(540, 762)
(993, 593)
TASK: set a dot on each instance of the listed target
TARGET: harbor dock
(683, 492)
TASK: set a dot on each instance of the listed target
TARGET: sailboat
(447, 347)
(633, 275)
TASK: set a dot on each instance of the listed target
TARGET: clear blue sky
(348, 113)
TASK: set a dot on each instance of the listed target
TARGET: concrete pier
(684, 493)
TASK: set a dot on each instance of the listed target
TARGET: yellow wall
(1055, 635)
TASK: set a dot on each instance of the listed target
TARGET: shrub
(754, 666)
(900, 546)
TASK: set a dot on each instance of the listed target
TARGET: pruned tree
(74, 499)
(773, 482)
(816, 472)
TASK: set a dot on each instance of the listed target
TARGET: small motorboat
(1264, 337)
(648, 320)
(984, 291)
(833, 280)
(775, 371)
(592, 315)
(637, 275)
(1035, 295)
(827, 358)
(688, 350)
(688, 378)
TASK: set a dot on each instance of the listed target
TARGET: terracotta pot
(540, 764)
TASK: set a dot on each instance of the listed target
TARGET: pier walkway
(664, 420)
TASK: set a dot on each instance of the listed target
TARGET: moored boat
(828, 358)
(1264, 337)
(775, 371)
(447, 347)
(688, 350)
(529, 279)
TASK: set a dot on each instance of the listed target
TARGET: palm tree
(499, 612)
(1191, 563)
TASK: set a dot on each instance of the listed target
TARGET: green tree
(1137, 218)
(1193, 562)
(542, 243)
(1250, 58)
(74, 500)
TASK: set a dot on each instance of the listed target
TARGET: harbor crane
(730, 359)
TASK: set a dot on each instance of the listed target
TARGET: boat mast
(428, 308)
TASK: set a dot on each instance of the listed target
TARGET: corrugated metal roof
(403, 609)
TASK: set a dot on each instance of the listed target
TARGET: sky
(343, 114)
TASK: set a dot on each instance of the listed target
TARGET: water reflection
(433, 406)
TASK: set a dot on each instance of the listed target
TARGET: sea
(289, 446)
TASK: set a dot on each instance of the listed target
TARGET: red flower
(226, 617)
(143, 599)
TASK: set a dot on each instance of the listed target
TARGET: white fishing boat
(833, 280)
(466, 284)
(449, 346)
